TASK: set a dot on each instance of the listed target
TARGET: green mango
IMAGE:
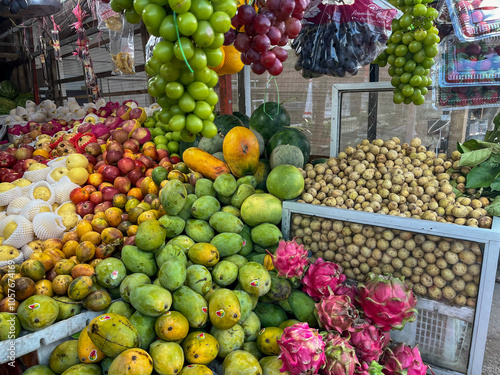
(237, 259)
(138, 261)
(204, 207)
(64, 356)
(199, 230)
(67, 307)
(172, 274)
(168, 357)
(246, 305)
(151, 300)
(39, 370)
(198, 278)
(173, 197)
(97, 300)
(227, 243)
(150, 235)
(225, 222)
(171, 252)
(204, 187)
(189, 188)
(110, 272)
(247, 247)
(229, 339)
(130, 282)
(224, 308)
(121, 308)
(250, 180)
(303, 307)
(174, 225)
(182, 241)
(224, 273)
(224, 200)
(83, 369)
(280, 288)
(242, 193)
(285, 305)
(240, 362)
(266, 235)
(192, 305)
(271, 365)
(256, 257)
(105, 365)
(251, 326)
(254, 279)
(288, 323)
(37, 312)
(270, 315)
(232, 210)
(114, 293)
(145, 326)
(252, 348)
(10, 327)
(185, 213)
(225, 184)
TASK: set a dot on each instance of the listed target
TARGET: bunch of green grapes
(411, 50)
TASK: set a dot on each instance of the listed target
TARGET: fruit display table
(452, 321)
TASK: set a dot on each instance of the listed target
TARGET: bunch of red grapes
(260, 37)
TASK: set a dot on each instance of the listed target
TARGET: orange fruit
(136, 193)
(83, 227)
(113, 216)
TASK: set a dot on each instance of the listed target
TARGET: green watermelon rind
(268, 120)
(225, 123)
(8, 90)
(290, 136)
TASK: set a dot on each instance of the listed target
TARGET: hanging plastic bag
(338, 37)
(108, 18)
(152, 42)
(122, 50)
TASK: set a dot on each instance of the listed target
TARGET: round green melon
(290, 136)
(268, 119)
(285, 182)
(286, 154)
(261, 208)
(212, 145)
(220, 155)
(225, 123)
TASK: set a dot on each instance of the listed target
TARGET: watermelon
(225, 123)
(244, 118)
(23, 98)
(319, 161)
(6, 105)
(8, 90)
(268, 119)
(290, 136)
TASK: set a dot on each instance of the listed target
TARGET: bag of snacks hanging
(338, 37)
(122, 50)
(108, 19)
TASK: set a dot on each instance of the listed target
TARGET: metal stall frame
(490, 238)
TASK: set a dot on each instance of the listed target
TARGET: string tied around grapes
(180, 43)
(265, 98)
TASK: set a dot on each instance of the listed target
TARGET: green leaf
(461, 148)
(457, 192)
(495, 147)
(493, 209)
(473, 158)
(495, 186)
(471, 145)
(481, 176)
(76, 335)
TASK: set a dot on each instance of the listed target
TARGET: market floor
(491, 364)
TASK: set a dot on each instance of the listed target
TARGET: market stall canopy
(36, 8)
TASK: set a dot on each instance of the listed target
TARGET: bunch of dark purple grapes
(15, 5)
(260, 36)
(335, 48)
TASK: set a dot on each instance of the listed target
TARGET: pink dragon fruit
(364, 369)
(340, 356)
(403, 360)
(350, 290)
(302, 350)
(369, 341)
(336, 313)
(290, 259)
(322, 278)
(387, 301)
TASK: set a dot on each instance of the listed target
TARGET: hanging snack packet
(340, 36)
(108, 18)
(122, 50)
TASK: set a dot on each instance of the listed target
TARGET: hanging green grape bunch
(411, 50)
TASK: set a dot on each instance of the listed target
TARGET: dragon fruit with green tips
(403, 360)
(387, 301)
(322, 278)
(302, 350)
(336, 313)
(364, 369)
(290, 260)
(340, 356)
(369, 341)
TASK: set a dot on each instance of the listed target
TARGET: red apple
(86, 127)
(175, 159)
(119, 135)
(26, 163)
(10, 177)
(93, 149)
(110, 172)
(123, 112)
(103, 185)
(78, 195)
(5, 171)
(11, 150)
(161, 153)
(109, 192)
(113, 156)
(132, 145)
(92, 160)
(99, 164)
(138, 183)
(166, 163)
(85, 207)
(148, 162)
(143, 135)
(125, 165)
(140, 165)
(38, 158)
(96, 197)
(7, 160)
(101, 142)
(129, 241)
(138, 114)
(101, 207)
(135, 175)
(112, 122)
(113, 145)
(23, 153)
(123, 184)
(45, 162)
(130, 125)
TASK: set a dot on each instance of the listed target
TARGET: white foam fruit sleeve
(8, 196)
(35, 176)
(15, 207)
(23, 233)
(56, 163)
(17, 260)
(48, 225)
(33, 208)
(27, 251)
(52, 198)
(63, 188)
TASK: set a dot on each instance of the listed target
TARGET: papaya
(229, 339)
(132, 362)
(168, 357)
(192, 305)
(113, 334)
(200, 348)
(37, 312)
(204, 163)
(64, 356)
(151, 300)
(241, 151)
(224, 309)
(87, 351)
(172, 326)
(240, 362)
(145, 326)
